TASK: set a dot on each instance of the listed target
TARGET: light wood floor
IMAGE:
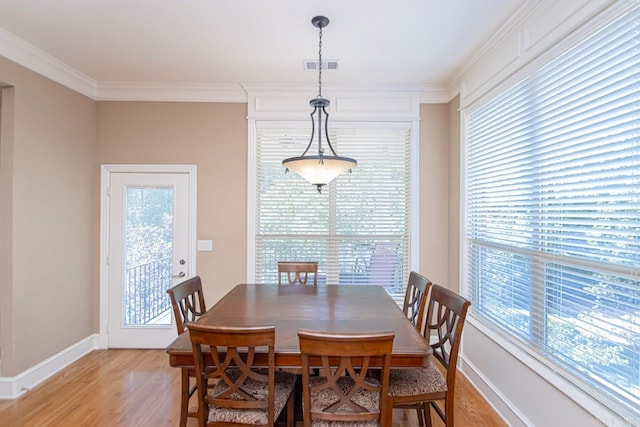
(139, 388)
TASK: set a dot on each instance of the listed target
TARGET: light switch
(205, 245)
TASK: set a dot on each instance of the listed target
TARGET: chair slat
(348, 390)
(297, 272)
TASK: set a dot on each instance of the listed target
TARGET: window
(358, 228)
(552, 213)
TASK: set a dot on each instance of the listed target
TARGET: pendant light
(319, 169)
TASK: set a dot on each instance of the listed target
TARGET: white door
(148, 252)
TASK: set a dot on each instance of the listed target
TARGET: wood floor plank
(138, 388)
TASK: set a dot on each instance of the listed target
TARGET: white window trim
(596, 403)
(376, 112)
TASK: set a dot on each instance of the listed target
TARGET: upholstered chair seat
(324, 398)
(284, 383)
(411, 382)
(424, 389)
(245, 393)
(346, 395)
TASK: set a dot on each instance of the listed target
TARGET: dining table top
(327, 308)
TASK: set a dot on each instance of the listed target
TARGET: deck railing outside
(146, 291)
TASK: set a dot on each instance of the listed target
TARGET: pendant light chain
(319, 169)
(320, 64)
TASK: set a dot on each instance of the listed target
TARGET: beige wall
(434, 192)
(48, 173)
(49, 202)
(6, 217)
(212, 136)
(454, 194)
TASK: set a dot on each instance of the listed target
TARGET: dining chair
(345, 394)
(243, 394)
(187, 300)
(425, 388)
(415, 299)
(297, 272)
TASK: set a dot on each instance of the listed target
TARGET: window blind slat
(552, 212)
(358, 228)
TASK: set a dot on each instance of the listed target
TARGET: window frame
(596, 401)
(414, 181)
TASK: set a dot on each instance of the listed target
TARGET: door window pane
(148, 243)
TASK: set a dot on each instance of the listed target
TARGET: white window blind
(552, 221)
(358, 228)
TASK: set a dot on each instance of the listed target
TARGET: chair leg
(388, 415)
(290, 406)
(184, 397)
(420, 412)
(427, 413)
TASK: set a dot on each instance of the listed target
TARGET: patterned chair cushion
(323, 398)
(412, 382)
(318, 423)
(283, 388)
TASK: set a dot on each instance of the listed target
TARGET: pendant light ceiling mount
(320, 21)
(319, 169)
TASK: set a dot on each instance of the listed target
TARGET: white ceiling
(214, 42)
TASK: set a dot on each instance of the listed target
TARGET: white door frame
(105, 179)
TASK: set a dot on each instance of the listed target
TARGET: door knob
(182, 274)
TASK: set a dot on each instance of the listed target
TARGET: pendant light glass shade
(319, 169)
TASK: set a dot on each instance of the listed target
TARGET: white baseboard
(499, 402)
(102, 341)
(12, 387)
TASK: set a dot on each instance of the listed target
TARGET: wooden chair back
(415, 299)
(187, 300)
(233, 350)
(443, 328)
(297, 272)
(345, 360)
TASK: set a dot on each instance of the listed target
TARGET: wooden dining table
(328, 308)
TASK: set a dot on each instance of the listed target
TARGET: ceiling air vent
(331, 64)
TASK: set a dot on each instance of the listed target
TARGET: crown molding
(171, 92)
(510, 25)
(23, 53)
(434, 94)
(529, 40)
